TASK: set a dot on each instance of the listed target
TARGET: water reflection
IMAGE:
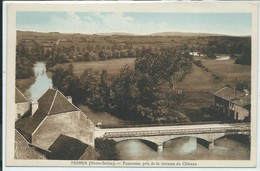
(42, 83)
(185, 148)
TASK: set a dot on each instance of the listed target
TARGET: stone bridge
(157, 135)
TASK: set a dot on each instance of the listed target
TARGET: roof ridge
(52, 103)
(68, 100)
(220, 89)
(22, 94)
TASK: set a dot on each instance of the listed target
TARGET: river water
(42, 82)
(185, 148)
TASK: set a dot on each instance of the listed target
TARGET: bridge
(157, 135)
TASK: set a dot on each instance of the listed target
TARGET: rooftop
(19, 97)
(67, 148)
(52, 102)
(230, 94)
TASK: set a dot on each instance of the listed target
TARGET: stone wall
(241, 112)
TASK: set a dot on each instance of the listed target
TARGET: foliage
(242, 85)
(106, 148)
(66, 82)
(123, 94)
(245, 58)
(168, 64)
(133, 95)
(198, 63)
(23, 63)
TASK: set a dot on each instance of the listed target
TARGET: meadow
(113, 66)
(197, 86)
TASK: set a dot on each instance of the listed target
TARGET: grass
(226, 71)
(113, 66)
(198, 86)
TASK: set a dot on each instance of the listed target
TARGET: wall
(242, 112)
(22, 108)
(74, 124)
(222, 104)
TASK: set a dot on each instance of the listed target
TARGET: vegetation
(134, 95)
(148, 84)
(23, 63)
(106, 148)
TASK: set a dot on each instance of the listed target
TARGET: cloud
(136, 23)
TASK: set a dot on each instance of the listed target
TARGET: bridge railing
(167, 124)
(174, 132)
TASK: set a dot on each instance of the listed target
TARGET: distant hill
(115, 33)
(184, 34)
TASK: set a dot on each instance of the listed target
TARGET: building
(236, 105)
(223, 56)
(196, 54)
(21, 103)
(68, 148)
(52, 115)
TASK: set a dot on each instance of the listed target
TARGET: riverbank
(24, 84)
(102, 117)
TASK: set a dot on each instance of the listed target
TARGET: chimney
(69, 99)
(246, 92)
(34, 107)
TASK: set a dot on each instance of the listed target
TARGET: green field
(226, 70)
(197, 86)
(198, 80)
(113, 66)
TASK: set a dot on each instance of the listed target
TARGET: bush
(198, 63)
(106, 148)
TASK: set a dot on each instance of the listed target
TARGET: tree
(95, 89)
(24, 66)
(93, 56)
(123, 94)
(171, 65)
(65, 80)
(107, 149)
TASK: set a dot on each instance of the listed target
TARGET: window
(231, 105)
(18, 115)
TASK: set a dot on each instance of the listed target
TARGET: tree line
(145, 94)
(61, 54)
(26, 57)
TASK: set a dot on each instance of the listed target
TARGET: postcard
(131, 84)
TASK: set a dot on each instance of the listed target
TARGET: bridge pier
(160, 148)
(211, 145)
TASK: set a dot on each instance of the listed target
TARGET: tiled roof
(52, 102)
(243, 101)
(228, 93)
(66, 148)
(234, 96)
(19, 97)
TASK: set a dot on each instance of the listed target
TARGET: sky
(140, 23)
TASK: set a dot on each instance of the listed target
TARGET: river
(42, 82)
(185, 148)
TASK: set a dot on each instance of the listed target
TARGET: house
(21, 103)
(223, 56)
(52, 115)
(235, 104)
(196, 54)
